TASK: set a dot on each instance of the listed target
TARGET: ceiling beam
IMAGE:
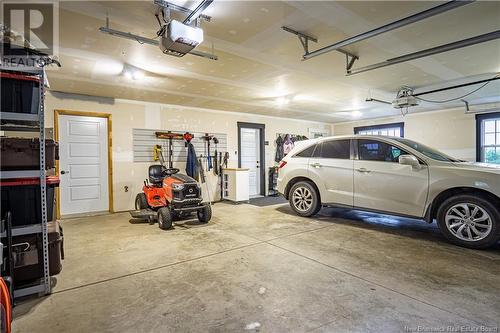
(388, 27)
(428, 52)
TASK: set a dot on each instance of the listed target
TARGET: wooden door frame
(58, 113)
(262, 135)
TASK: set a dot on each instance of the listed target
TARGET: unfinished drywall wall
(127, 115)
(451, 131)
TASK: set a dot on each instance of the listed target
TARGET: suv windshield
(427, 151)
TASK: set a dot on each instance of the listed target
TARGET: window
(308, 152)
(372, 150)
(340, 149)
(488, 137)
(394, 129)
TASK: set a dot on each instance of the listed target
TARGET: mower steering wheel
(171, 171)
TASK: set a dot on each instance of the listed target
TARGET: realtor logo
(31, 25)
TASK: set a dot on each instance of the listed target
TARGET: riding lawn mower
(167, 195)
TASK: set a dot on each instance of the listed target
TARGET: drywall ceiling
(260, 69)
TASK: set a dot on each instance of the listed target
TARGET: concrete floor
(265, 269)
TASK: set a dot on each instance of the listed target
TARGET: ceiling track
(390, 26)
(145, 40)
(195, 14)
(428, 52)
(457, 86)
(168, 5)
(304, 40)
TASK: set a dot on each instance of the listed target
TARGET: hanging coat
(279, 149)
(191, 165)
(288, 144)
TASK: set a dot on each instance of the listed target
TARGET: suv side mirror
(409, 160)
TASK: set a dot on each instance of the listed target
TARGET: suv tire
(469, 220)
(304, 199)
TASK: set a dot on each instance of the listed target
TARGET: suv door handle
(364, 170)
(316, 165)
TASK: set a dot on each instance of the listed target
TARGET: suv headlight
(178, 187)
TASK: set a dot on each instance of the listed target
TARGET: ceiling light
(282, 100)
(138, 75)
(356, 114)
(133, 73)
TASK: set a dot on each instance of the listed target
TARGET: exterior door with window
(331, 166)
(382, 184)
(250, 157)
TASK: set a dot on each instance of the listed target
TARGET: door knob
(64, 172)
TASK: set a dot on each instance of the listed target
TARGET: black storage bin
(28, 254)
(24, 154)
(20, 93)
(22, 198)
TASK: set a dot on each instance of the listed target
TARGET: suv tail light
(282, 164)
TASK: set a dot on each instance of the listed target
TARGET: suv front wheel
(469, 221)
(304, 199)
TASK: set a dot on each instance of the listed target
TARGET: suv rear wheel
(470, 221)
(304, 199)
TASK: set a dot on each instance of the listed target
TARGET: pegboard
(145, 139)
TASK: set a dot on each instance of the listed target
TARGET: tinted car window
(336, 149)
(372, 150)
(308, 152)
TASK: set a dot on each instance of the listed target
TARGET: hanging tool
(170, 137)
(207, 139)
(215, 161)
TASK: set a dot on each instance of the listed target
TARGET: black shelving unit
(34, 123)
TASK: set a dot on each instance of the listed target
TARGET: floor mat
(267, 201)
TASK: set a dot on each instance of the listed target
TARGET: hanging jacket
(279, 149)
(191, 165)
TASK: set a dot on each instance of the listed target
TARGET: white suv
(395, 176)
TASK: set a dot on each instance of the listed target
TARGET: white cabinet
(235, 184)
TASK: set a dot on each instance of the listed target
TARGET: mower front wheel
(140, 201)
(205, 214)
(164, 218)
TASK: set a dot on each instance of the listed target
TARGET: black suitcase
(24, 154)
(22, 198)
(28, 255)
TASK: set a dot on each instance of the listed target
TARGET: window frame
(480, 118)
(401, 126)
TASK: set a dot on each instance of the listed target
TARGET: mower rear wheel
(140, 201)
(164, 218)
(205, 214)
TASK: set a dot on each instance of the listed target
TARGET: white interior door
(83, 164)
(250, 157)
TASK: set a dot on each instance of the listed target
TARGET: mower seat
(156, 174)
